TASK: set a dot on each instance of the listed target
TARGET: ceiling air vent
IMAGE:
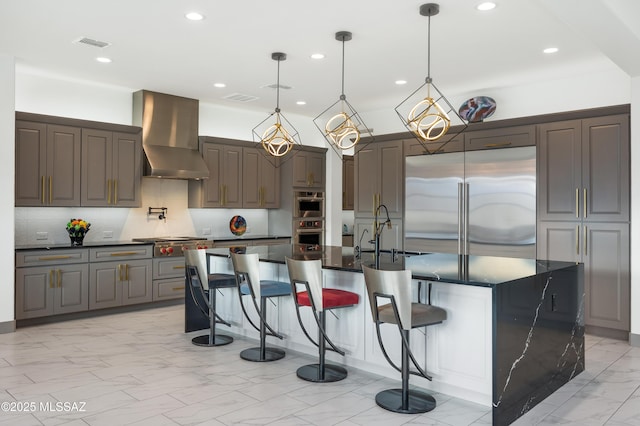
(275, 86)
(239, 97)
(91, 42)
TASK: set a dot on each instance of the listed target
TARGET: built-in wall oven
(308, 220)
(308, 204)
(309, 234)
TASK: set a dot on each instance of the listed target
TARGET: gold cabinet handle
(578, 240)
(43, 190)
(586, 252)
(126, 275)
(54, 257)
(51, 279)
(50, 189)
(115, 191)
(495, 145)
(177, 288)
(179, 267)
(108, 191)
(59, 278)
(119, 272)
(124, 253)
(584, 203)
(577, 203)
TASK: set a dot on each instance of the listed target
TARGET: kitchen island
(514, 332)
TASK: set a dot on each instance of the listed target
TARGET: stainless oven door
(309, 237)
(309, 207)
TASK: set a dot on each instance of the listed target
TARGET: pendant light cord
(278, 89)
(429, 48)
(343, 40)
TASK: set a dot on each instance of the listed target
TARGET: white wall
(41, 94)
(582, 90)
(7, 185)
(635, 211)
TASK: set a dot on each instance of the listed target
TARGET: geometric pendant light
(340, 123)
(280, 137)
(427, 113)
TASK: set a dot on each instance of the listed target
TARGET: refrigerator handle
(465, 212)
(460, 217)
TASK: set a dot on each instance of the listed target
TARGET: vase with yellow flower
(77, 229)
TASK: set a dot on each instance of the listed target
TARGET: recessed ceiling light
(487, 5)
(401, 82)
(219, 85)
(550, 50)
(103, 60)
(194, 16)
(317, 56)
(301, 103)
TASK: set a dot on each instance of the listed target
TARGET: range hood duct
(169, 135)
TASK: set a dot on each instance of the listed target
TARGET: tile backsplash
(47, 224)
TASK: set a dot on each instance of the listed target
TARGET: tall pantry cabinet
(583, 209)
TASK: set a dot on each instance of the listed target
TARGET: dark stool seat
(421, 314)
(204, 295)
(308, 273)
(247, 277)
(395, 287)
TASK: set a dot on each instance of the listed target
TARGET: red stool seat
(331, 298)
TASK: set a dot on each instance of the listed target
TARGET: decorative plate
(477, 109)
(238, 225)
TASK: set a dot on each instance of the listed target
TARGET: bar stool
(247, 272)
(205, 290)
(309, 274)
(396, 287)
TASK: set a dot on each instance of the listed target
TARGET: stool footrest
(419, 402)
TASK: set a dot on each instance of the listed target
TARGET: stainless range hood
(169, 135)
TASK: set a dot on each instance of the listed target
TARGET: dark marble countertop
(248, 237)
(86, 244)
(485, 271)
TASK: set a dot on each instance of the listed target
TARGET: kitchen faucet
(358, 250)
(377, 231)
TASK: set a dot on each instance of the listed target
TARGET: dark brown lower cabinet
(120, 283)
(604, 250)
(51, 283)
(51, 290)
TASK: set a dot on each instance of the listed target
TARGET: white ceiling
(154, 47)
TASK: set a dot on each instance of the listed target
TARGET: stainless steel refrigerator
(472, 203)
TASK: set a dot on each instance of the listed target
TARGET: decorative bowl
(238, 225)
(476, 109)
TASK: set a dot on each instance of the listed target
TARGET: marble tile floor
(140, 368)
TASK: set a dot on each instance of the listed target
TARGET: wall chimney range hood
(169, 135)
